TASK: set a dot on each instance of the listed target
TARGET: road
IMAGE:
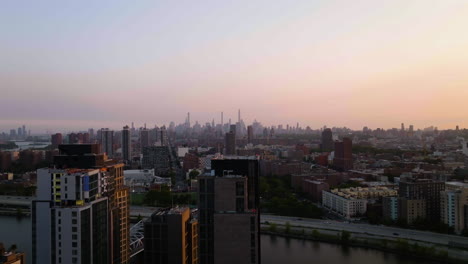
(383, 231)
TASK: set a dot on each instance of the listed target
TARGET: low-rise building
(345, 205)
(352, 202)
(11, 256)
(314, 189)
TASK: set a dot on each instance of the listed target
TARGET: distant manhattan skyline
(51, 126)
(69, 64)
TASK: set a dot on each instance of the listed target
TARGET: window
(74, 244)
(240, 205)
(239, 188)
(74, 214)
(74, 229)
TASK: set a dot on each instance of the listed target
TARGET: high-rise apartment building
(107, 142)
(162, 136)
(229, 212)
(230, 143)
(327, 140)
(157, 158)
(171, 236)
(390, 208)
(343, 160)
(250, 134)
(411, 209)
(83, 192)
(228, 228)
(144, 138)
(56, 139)
(70, 217)
(423, 189)
(126, 144)
(454, 201)
(240, 165)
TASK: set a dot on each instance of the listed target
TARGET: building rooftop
(460, 185)
(78, 171)
(171, 211)
(364, 192)
(235, 157)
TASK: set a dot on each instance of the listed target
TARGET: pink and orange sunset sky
(80, 64)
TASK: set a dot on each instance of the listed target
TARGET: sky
(80, 64)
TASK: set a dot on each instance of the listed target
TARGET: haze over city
(336, 63)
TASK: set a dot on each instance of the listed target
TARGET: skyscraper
(250, 134)
(228, 227)
(126, 144)
(343, 155)
(144, 138)
(229, 212)
(162, 137)
(70, 217)
(454, 203)
(107, 142)
(426, 190)
(81, 181)
(157, 158)
(56, 140)
(230, 143)
(327, 140)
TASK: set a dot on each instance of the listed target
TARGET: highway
(382, 231)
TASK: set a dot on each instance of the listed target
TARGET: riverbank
(15, 212)
(423, 251)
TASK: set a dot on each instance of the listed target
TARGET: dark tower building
(229, 212)
(250, 134)
(107, 141)
(126, 144)
(144, 138)
(230, 143)
(171, 236)
(343, 155)
(56, 140)
(327, 140)
(229, 228)
(423, 189)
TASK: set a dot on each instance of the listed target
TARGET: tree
(172, 175)
(465, 232)
(315, 233)
(287, 228)
(193, 174)
(158, 198)
(345, 236)
(12, 248)
(272, 227)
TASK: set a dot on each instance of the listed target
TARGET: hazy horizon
(74, 65)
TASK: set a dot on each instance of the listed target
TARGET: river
(275, 250)
(22, 145)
